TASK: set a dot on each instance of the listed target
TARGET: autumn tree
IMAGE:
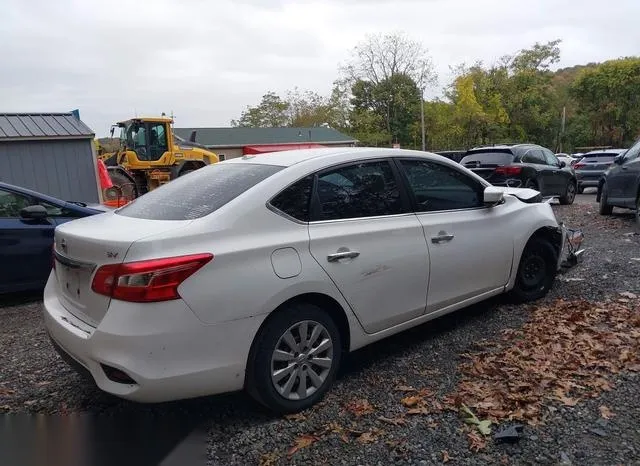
(608, 96)
(387, 74)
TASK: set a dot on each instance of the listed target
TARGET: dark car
(592, 165)
(523, 166)
(619, 186)
(27, 221)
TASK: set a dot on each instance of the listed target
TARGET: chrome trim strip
(73, 263)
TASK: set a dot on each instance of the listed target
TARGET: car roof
(502, 147)
(293, 157)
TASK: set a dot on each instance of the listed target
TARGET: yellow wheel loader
(150, 155)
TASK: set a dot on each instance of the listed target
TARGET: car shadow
(21, 298)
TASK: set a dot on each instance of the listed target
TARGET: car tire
(269, 359)
(536, 271)
(569, 195)
(638, 211)
(603, 207)
(532, 184)
(580, 189)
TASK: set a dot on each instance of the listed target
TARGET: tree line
(519, 98)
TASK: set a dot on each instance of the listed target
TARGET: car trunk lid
(84, 245)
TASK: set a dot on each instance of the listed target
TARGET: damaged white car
(260, 273)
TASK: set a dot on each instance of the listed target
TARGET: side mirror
(34, 212)
(618, 159)
(562, 164)
(493, 195)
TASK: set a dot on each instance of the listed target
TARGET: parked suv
(620, 184)
(590, 168)
(523, 166)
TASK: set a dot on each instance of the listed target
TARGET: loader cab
(148, 139)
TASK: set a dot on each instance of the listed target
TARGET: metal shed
(52, 153)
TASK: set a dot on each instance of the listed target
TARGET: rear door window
(365, 189)
(534, 156)
(199, 193)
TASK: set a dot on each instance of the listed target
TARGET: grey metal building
(52, 153)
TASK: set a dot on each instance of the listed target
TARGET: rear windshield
(488, 158)
(199, 193)
(605, 156)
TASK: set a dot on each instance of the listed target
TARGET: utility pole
(424, 146)
(564, 119)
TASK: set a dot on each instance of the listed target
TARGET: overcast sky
(205, 60)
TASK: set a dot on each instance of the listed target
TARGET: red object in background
(264, 148)
(103, 173)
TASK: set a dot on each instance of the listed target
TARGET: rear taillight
(578, 166)
(508, 170)
(147, 281)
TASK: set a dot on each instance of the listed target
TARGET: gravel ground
(346, 427)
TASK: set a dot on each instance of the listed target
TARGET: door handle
(441, 238)
(342, 255)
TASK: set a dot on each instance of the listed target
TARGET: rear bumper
(163, 347)
(589, 180)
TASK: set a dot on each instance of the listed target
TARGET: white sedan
(260, 273)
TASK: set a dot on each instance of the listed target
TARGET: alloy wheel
(302, 360)
(571, 192)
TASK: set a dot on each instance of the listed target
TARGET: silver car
(591, 167)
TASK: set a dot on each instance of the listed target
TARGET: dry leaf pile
(568, 351)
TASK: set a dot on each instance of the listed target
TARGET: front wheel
(295, 359)
(536, 272)
(569, 195)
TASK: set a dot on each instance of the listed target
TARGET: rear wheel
(638, 211)
(532, 184)
(569, 195)
(580, 189)
(536, 272)
(295, 359)
(604, 207)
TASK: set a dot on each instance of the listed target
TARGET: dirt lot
(394, 400)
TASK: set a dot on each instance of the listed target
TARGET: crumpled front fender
(571, 252)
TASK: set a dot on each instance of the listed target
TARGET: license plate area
(70, 281)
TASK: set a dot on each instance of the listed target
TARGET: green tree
(609, 97)
(272, 111)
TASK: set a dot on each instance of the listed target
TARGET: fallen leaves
(445, 456)
(605, 412)
(397, 421)
(359, 407)
(302, 442)
(476, 441)
(411, 401)
(566, 353)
